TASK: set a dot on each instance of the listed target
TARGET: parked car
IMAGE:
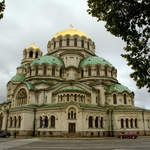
(128, 135)
(4, 134)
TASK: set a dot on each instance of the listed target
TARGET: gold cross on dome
(71, 26)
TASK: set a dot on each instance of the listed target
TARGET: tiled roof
(47, 60)
(94, 60)
(118, 88)
(18, 78)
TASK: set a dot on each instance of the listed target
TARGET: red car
(128, 135)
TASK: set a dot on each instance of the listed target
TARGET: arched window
(97, 71)
(30, 71)
(68, 97)
(36, 70)
(11, 122)
(114, 99)
(1, 121)
(75, 42)
(75, 97)
(90, 122)
(45, 70)
(96, 122)
(81, 98)
(136, 124)
(69, 115)
(61, 98)
(105, 71)
(111, 73)
(36, 55)
(82, 73)
(72, 113)
(46, 121)
(60, 73)
(19, 121)
(101, 122)
(127, 123)
(15, 121)
(125, 99)
(52, 121)
(82, 43)
(41, 122)
(89, 71)
(122, 123)
(88, 45)
(31, 54)
(131, 123)
(21, 97)
(60, 43)
(54, 44)
(53, 71)
(68, 41)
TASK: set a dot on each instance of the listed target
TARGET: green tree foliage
(130, 20)
(2, 7)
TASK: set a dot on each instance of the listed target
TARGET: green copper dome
(118, 88)
(47, 60)
(18, 78)
(94, 60)
(71, 88)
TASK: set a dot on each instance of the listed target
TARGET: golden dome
(32, 47)
(71, 31)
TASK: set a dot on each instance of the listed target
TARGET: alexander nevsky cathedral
(69, 91)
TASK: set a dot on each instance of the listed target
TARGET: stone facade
(69, 91)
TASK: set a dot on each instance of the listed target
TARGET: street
(75, 144)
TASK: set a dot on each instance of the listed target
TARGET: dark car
(4, 134)
(128, 135)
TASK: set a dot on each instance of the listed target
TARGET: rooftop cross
(71, 26)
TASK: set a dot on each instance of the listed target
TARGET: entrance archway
(72, 128)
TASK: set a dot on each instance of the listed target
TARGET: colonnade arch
(129, 123)
(67, 97)
(1, 120)
(47, 121)
(15, 122)
(95, 122)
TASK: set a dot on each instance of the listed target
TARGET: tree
(130, 20)
(2, 7)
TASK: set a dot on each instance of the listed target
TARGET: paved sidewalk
(16, 143)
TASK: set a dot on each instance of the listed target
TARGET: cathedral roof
(32, 47)
(47, 60)
(94, 60)
(71, 31)
(71, 88)
(17, 78)
(118, 88)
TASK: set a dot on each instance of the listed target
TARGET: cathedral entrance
(72, 128)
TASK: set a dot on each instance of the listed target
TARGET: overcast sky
(36, 21)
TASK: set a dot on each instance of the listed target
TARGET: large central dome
(71, 31)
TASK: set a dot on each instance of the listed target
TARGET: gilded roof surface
(18, 78)
(71, 88)
(47, 60)
(71, 31)
(118, 88)
(32, 47)
(94, 60)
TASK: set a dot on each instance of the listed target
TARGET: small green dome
(71, 88)
(94, 60)
(18, 78)
(118, 88)
(47, 60)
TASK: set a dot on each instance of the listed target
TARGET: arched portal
(21, 97)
